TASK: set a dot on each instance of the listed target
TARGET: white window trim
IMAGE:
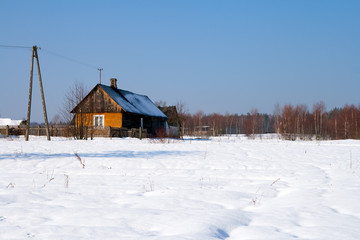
(102, 117)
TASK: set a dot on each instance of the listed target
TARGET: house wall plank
(110, 119)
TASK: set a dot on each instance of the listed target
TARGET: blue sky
(215, 56)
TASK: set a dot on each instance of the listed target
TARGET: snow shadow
(137, 154)
(110, 154)
(196, 140)
(221, 234)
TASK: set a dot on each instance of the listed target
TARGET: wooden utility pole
(34, 54)
(30, 95)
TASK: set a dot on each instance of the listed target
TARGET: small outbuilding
(108, 106)
(174, 122)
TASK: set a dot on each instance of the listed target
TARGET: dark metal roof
(133, 103)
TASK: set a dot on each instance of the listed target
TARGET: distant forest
(291, 122)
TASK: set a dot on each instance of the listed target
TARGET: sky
(213, 56)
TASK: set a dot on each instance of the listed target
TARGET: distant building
(113, 107)
(9, 122)
(174, 123)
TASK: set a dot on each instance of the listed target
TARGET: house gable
(97, 101)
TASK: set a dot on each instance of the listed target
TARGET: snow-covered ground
(222, 188)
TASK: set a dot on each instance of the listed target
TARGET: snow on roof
(134, 103)
(8, 121)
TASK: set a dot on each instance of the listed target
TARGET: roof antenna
(100, 69)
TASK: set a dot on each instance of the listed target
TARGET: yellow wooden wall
(110, 119)
(113, 119)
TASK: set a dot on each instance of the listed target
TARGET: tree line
(289, 121)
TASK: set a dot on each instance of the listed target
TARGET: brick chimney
(113, 82)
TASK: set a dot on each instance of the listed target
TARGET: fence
(71, 131)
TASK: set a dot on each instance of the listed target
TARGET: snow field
(222, 188)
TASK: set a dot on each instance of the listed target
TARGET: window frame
(101, 123)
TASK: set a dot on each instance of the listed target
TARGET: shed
(174, 122)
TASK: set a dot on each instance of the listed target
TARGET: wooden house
(108, 106)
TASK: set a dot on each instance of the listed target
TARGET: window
(98, 120)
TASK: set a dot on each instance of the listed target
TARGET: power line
(59, 56)
(71, 59)
(55, 54)
(9, 46)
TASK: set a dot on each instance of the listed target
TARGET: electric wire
(10, 46)
(70, 59)
(55, 54)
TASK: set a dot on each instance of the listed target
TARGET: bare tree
(198, 122)
(301, 112)
(72, 98)
(182, 114)
(56, 120)
(229, 120)
(334, 117)
(277, 115)
(215, 121)
(318, 112)
(254, 123)
(160, 103)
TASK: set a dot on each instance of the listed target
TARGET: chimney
(113, 82)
